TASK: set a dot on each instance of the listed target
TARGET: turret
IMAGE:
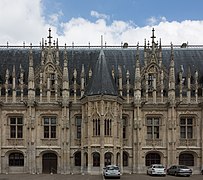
(137, 89)
(172, 76)
(65, 78)
(31, 91)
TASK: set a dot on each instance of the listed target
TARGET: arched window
(152, 158)
(125, 159)
(96, 127)
(96, 159)
(107, 127)
(186, 159)
(16, 159)
(78, 158)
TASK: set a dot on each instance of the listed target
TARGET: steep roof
(101, 82)
(185, 57)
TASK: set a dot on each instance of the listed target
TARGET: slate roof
(101, 82)
(188, 57)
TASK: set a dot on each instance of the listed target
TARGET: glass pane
(20, 132)
(53, 131)
(182, 132)
(156, 121)
(13, 131)
(13, 121)
(149, 121)
(182, 121)
(46, 120)
(189, 132)
(20, 120)
(46, 131)
(53, 120)
(78, 121)
(189, 121)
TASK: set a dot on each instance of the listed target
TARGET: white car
(111, 171)
(156, 169)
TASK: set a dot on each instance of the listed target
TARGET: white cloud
(99, 15)
(21, 22)
(155, 20)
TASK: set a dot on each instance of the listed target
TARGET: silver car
(111, 171)
(156, 169)
(179, 170)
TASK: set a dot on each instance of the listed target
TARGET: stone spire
(172, 76)
(137, 90)
(49, 37)
(153, 42)
(65, 77)
(31, 91)
(172, 70)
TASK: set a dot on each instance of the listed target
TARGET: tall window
(186, 128)
(16, 127)
(16, 159)
(107, 127)
(96, 127)
(78, 121)
(49, 127)
(153, 128)
(125, 124)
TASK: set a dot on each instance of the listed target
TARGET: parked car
(112, 171)
(179, 170)
(156, 169)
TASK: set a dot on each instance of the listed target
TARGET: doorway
(49, 163)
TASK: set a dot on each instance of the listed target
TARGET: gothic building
(74, 110)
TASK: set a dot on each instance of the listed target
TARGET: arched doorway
(107, 158)
(152, 158)
(96, 159)
(49, 163)
(125, 159)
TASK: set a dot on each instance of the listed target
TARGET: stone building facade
(74, 110)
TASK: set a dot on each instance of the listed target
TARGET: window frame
(16, 128)
(49, 127)
(107, 127)
(16, 159)
(78, 126)
(186, 128)
(153, 128)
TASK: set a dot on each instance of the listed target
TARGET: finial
(137, 48)
(42, 43)
(153, 37)
(57, 43)
(31, 46)
(101, 42)
(160, 43)
(172, 49)
(145, 43)
(49, 37)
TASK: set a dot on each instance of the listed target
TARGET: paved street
(90, 177)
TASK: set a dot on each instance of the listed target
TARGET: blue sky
(84, 21)
(137, 11)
